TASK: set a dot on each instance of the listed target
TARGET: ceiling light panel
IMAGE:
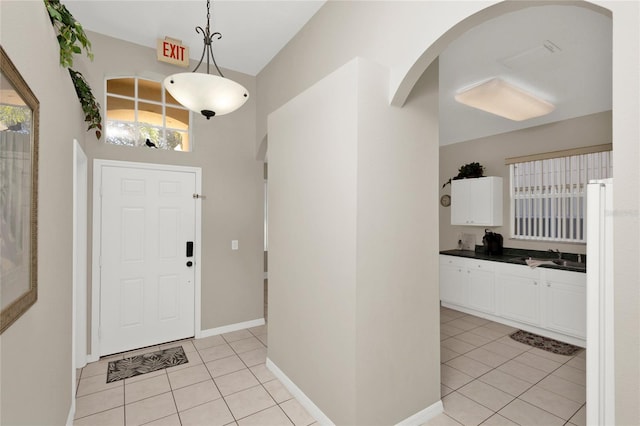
(498, 97)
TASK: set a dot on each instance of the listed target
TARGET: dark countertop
(518, 256)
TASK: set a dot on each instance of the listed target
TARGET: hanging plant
(90, 107)
(72, 40)
(471, 170)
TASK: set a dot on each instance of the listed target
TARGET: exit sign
(172, 51)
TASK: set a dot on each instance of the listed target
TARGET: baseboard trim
(423, 416)
(229, 328)
(72, 413)
(92, 358)
(303, 399)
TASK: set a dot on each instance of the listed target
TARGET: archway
(595, 399)
(409, 80)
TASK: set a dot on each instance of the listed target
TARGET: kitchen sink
(559, 262)
(570, 263)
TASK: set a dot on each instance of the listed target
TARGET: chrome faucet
(556, 251)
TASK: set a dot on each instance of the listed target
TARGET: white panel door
(146, 284)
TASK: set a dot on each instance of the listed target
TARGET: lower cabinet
(565, 303)
(481, 286)
(520, 299)
(467, 282)
(542, 298)
(452, 272)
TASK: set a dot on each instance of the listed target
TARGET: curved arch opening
(431, 52)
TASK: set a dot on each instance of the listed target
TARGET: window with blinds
(548, 196)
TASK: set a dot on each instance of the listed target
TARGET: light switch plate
(234, 244)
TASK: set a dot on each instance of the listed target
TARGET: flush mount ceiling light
(506, 100)
(207, 94)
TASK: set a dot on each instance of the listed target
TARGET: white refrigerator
(600, 331)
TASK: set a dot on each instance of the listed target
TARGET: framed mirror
(19, 115)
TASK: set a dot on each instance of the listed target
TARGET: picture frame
(19, 126)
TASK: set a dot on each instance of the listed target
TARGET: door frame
(98, 164)
(79, 281)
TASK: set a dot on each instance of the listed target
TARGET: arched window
(139, 109)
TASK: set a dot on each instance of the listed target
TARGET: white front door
(147, 283)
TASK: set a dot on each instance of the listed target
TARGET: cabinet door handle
(535, 283)
(548, 285)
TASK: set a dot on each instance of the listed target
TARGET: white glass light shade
(206, 94)
(498, 97)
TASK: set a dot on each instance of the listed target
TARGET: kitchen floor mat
(146, 363)
(545, 343)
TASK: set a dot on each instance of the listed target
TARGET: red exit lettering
(173, 51)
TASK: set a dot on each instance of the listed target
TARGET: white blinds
(548, 197)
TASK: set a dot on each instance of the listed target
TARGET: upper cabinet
(477, 202)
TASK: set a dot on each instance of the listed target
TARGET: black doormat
(146, 363)
(549, 345)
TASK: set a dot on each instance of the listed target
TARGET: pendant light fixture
(206, 94)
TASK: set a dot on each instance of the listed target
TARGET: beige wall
(35, 354)
(312, 242)
(397, 301)
(491, 152)
(391, 33)
(232, 182)
(626, 200)
(351, 278)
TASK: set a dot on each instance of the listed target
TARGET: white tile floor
(486, 378)
(225, 382)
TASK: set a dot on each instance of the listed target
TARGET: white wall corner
(423, 416)
(72, 412)
(297, 393)
(229, 328)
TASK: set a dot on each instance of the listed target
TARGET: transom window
(139, 109)
(548, 196)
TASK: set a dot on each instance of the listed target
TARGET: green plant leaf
(71, 40)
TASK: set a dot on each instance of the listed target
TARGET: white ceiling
(577, 78)
(252, 31)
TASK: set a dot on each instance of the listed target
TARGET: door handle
(189, 248)
(189, 264)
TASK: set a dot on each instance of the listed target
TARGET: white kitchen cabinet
(453, 280)
(481, 286)
(545, 301)
(566, 302)
(467, 282)
(477, 202)
(520, 298)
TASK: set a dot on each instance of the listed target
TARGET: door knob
(189, 264)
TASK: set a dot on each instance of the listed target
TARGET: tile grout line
(277, 404)
(214, 384)
(175, 404)
(495, 368)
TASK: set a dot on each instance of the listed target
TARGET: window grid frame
(163, 104)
